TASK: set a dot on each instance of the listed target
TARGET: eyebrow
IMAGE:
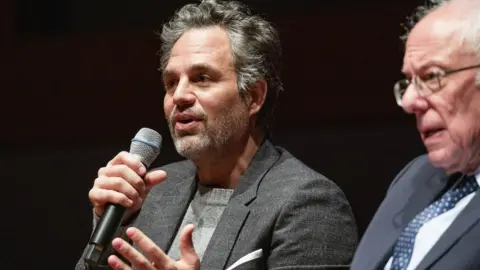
(167, 74)
(197, 67)
(202, 67)
(425, 65)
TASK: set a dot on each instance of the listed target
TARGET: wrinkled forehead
(435, 40)
(440, 35)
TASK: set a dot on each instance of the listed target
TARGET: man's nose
(184, 94)
(412, 101)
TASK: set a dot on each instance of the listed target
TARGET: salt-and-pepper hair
(254, 42)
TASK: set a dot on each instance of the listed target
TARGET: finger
(130, 176)
(102, 171)
(100, 197)
(137, 260)
(117, 264)
(153, 252)
(187, 250)
(117, 184)
(154, 178)
(130, 160)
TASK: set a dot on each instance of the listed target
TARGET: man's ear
(257, 96)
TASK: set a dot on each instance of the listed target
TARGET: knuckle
(152, 250)
(132, 193)
(171, 266)
(106, 195)
(98, 181)
(123, 154)
(92, 194)
(95, 198)
(138, 183)
(119, 170)
(122, 168)
(124, 198)
(104, 182)
(102, 171)
(115, 182)
(144, 264)
(118, 159)
(134, 179)
(117, 197)
(130, 159)
(123, 157)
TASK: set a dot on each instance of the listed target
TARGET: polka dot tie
(402, 251)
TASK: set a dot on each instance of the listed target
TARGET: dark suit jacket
(414, 188)
(299, 218)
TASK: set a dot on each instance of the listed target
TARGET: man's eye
(431, 76)
(169, 84)
(203, 78)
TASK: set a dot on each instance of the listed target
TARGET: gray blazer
(297, 217)
(414, 188)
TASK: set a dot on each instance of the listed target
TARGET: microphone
(146, 145)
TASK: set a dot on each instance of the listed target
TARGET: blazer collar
(459, 227)
(231, 223)
(261, 162)
(169, 205)
(403, 206)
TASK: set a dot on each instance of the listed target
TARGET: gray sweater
(204, 212)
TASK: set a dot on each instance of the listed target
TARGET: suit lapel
(233, 218)
(460, 226)
(171, 205)
(404, 205)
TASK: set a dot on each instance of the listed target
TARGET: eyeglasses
(424, 86)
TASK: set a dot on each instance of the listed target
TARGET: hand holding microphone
(121, 182)
(120, 190)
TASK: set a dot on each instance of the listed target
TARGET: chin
(443, 158)
(190, 146)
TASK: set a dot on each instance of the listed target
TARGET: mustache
(197, 113)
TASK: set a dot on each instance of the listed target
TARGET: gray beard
(212, 138)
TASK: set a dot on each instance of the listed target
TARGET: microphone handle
(108, 224)
(97, 253)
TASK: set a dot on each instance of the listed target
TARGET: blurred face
(448, 120)
(202, 103)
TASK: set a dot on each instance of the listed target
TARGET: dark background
(78, 78)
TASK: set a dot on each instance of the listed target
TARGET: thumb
(154, 177)
(189, 256)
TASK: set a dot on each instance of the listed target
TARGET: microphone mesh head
(146, 145)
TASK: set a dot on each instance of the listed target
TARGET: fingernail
(116, 243)
(142, 170)
(130, 232)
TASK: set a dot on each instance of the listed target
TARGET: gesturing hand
(157, 259)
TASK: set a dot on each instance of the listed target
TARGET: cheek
(216, 103)
(463, 117)
(463, 129)
(209, 102)
(167, 105)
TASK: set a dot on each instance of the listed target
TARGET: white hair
(469, 24)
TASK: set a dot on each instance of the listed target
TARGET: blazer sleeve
(315, 229)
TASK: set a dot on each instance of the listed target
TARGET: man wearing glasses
(430, 217)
